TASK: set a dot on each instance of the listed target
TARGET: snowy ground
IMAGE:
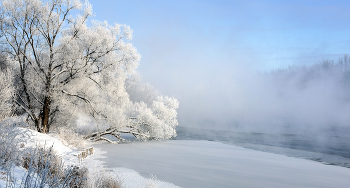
(30, 138)
(213, 164)
(129, 177)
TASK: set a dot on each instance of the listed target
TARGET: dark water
(331, 147)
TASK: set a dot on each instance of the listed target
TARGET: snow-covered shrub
(42, 165)
(45, 169)
(103, 179)
(107, 182)
(78, 177)
(41, 158)
(8, 146)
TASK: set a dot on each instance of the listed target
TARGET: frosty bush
(9, 151)
(78, 177)
(44, 169)
(40, 158)
(103, 179)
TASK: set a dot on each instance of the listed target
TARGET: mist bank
(298, 99)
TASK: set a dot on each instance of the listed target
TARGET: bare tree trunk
(46, 114)
(35, 119)
(37, 125)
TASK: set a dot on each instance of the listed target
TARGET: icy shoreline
(129, 177)
(330, 148)
(212, 164)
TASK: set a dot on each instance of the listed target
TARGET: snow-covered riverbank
(191, 163)
(213, 164)
(30, 138)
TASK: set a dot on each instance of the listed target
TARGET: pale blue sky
(193, 49)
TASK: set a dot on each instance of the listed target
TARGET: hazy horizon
(213, 55)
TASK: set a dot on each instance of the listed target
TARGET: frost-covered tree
(157, 121)
(66, 67)
(6, 92)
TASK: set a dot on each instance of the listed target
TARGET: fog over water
(296, 99)
(300, 107)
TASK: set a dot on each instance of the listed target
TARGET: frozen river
(190, 163)
(331, 146)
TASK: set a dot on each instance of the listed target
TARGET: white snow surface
(129, 178)
(32, 138)
(212, 164)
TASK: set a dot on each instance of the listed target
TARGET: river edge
(207, 164)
